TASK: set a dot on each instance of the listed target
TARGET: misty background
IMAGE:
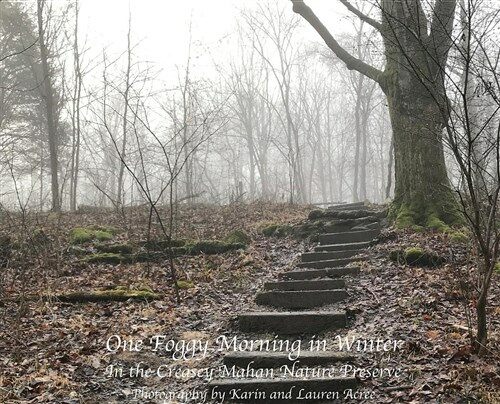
(195, 102)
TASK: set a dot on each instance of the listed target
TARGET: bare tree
(279, 30)
(47, 92)
(75, 116)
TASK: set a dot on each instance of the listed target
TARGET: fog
(197, 102)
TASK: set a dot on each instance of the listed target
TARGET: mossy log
(120, 248)
(161, 244)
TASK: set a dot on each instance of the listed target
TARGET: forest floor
(55, 352)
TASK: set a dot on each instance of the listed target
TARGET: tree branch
(350, 61)
(363, 17)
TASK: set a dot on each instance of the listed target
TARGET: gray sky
(162, 26)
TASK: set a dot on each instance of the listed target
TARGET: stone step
(320, 284)
(330, 263)
(291, 323)
(258, 360)
(268, 390)
(303, 299)
(328, 255)
(343, 247)
(348, 237)
(321, 273)
(347, 206)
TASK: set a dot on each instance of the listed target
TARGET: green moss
(497, 267)
(413, 254)
(419, 257)
(105, 258)
(237, 236)
(162, 244)
(102, 235)
(458, 237)
(416, 256)
(115, 248)
(117, 294)
(396, 255)
(81, 235)
(435, 223)
(405, 218)
(182, 284)
(143, 287)
(440, 216)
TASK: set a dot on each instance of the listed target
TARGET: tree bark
(422, 191)
(48, 97)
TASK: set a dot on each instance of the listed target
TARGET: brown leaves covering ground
(54, 352)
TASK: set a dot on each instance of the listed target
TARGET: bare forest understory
(53, 350)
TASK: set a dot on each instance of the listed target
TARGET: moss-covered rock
(157, 245)
(416, 256)
(106, 258)
(82, 235)
(211, 247)
(237, 236)
(101, 235)
(108, 295)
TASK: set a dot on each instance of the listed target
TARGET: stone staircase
(296, 310)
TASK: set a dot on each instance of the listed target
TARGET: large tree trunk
(422, 193)
(416, 51)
